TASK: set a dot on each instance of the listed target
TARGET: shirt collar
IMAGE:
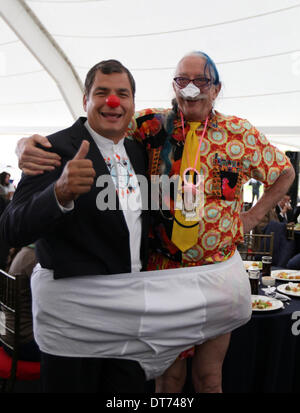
(102, 142)
(213, 121)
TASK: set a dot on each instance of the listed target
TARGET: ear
(216, 90)
(84, 103)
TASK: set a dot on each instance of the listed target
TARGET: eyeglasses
(199, 82)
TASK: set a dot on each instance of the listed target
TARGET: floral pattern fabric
(232, 152)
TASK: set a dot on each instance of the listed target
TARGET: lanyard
(197, 154)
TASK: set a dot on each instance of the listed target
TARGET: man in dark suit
(63, 212)
(284, 209)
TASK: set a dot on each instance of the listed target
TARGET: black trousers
(90, 375)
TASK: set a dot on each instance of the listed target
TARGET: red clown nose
(113, 101)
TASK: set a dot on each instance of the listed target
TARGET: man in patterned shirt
(197, 143)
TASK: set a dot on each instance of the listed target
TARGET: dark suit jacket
(85, 240)
(289, 214)
(296, 213)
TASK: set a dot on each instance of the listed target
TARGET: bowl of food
(268, 281)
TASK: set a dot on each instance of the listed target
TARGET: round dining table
(264, 354)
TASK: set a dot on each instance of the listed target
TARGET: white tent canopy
(47, 47)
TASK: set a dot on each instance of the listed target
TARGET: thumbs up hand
(83, 150)
(77, 177)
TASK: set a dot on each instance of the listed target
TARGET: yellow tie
(185, 237)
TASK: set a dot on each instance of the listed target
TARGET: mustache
(202, 96)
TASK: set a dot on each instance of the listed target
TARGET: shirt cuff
(69, 207)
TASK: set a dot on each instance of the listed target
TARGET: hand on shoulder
(33, 160)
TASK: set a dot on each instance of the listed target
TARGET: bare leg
(173, 379)
(207, 365)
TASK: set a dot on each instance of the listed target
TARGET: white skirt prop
(150, 317)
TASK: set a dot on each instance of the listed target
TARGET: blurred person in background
(6, 187)
(284, 210)
(255, 189)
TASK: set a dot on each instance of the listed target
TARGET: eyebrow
(123, 89)
(186, 75)
(105, 89)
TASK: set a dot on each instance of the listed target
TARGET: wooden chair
(255, 246)
(12, 369)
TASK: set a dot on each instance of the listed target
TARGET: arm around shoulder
(33, 159)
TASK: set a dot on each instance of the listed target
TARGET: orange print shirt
(232, 152)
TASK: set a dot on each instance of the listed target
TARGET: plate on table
(253, 265)
(286, 275)
(292, 289)
(263, 303)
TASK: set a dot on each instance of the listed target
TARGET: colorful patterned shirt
(232, 152)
